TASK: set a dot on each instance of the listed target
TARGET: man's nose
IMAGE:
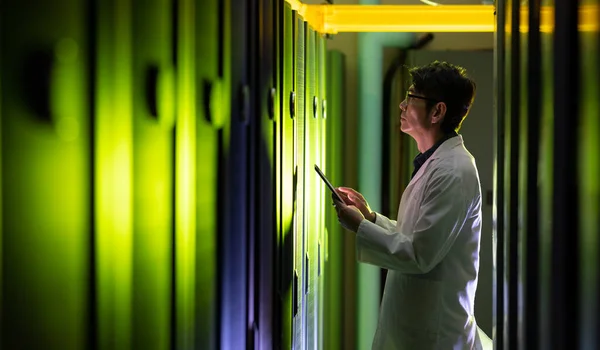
(402, 105)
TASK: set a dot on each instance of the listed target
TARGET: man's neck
(426, 141)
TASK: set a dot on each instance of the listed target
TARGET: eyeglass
(408, 94)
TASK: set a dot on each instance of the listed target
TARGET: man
(432, 251)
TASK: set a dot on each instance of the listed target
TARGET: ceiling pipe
(369, 17)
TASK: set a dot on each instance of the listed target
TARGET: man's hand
(354, 198)
(348, 215)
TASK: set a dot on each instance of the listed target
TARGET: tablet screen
(331, 188)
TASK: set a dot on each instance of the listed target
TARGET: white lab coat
(432, 254)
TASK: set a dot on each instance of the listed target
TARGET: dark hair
(446, 83)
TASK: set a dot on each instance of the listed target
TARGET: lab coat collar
(444, 148)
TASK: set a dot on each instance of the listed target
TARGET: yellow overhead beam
(333, 19)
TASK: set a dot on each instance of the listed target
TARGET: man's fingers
(338, 204)
(346, 196)
(345, 189)
(352, 193)
(353, 209)
(343, 195)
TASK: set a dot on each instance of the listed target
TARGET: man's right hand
(353, 197)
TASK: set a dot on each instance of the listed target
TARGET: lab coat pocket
(420, 302)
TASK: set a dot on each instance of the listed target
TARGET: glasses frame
(421, 98)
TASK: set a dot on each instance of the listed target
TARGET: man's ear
(438, 112)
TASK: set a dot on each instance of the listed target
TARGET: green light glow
(311, 148)
(45, 189)
(114, 175)
(299, 163)
(185, 163)
(152, 177)
(65, 78)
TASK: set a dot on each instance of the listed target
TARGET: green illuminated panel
(113, 175)
(320, 203)
(214, 81)
(46, 193)
(185, 178)
(287, 178)
(311, 149)
(152, 175)
(299, 163)
(333, 243)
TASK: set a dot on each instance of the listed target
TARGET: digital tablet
(331, 188)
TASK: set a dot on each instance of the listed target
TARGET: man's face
(414, 119)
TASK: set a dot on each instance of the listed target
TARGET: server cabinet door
(46, 191)
(334, 240)
(311, 149)
(211, 62)
(266, 61)
(153, 159)
(113, 152)
(286, 192)
(185, 285)
(299, 188)
(322, 208)
(545, 188)
(235, 219)
(589, 192)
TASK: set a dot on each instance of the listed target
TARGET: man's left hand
(348, 215)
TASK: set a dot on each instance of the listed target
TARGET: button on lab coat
(432, 254)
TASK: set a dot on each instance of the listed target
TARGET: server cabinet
(266, 61)
(322, 208)
(498, 211)
(527, 115)
(311, 229)
(235, 213)
(113, 187)
(286, 191)
(299, 182)
(185, 235)
(333, 266)
(211, 61)
(546, 157)
(46, 204)
(258, 196)
(567, 273)
(546, 120)
(589, 191)
(153, 173)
